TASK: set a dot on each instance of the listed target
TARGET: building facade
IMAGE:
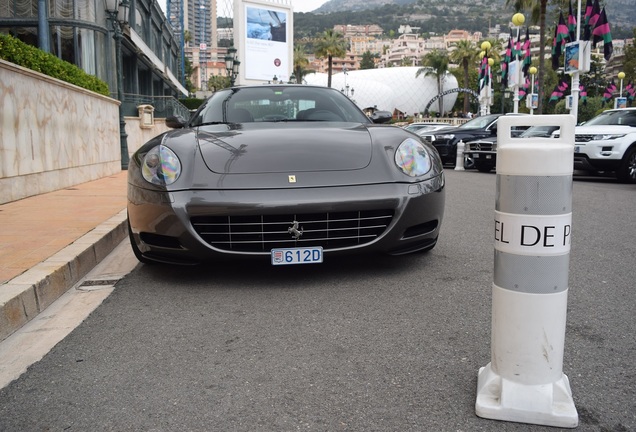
(81, 32)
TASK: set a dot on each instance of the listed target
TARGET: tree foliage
(331, 44)
(368, 60)
(629, 64)
(300, 63)
(218, 82)
(465, 55)
(435, 64)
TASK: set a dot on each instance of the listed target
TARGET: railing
(165, 106)
(455, 121)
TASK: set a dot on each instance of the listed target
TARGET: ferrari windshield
(278, 103)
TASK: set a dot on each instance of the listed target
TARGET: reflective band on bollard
(524, 382)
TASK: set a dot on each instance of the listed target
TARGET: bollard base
(544, 404)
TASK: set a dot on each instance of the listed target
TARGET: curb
(25, 296)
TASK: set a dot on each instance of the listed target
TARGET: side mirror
(175, 122)
(381, 117)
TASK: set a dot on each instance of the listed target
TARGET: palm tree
(465, 54)
(538, 11)
(187, 37)
(300, 63)
(436, 64)
(331, 44)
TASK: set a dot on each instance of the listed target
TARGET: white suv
(608, 143)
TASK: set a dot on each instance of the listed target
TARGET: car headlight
(605, 137)
(161, 166)
(412, 158)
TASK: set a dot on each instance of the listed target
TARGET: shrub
(593, 107)
(15, 51)
(192, 103)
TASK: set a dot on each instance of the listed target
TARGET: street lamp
(118, 14)
(517, 21)
(345, 90)
(232, 65)
(621, 76)
(275, 80)
(485, 93)
(292, 79)
(533, 72)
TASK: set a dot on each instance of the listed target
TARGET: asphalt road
(364, 344)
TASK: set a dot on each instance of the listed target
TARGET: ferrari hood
(282, 147)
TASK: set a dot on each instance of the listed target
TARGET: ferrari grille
(261, 233)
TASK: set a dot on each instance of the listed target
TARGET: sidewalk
(49, 242)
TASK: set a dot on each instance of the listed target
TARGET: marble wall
(55, 135)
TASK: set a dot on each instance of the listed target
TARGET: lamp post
(118, 14)
(533, 72)
(517, 21)
(345, 90)
(485, 94)
(275, 80)
(621, 76)
(232, 65)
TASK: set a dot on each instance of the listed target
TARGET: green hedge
(587, 111)
(192, 103)
(15, 51)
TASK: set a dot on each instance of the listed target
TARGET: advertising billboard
(265, 31)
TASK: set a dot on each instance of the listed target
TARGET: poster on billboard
(513, 73)
(266, 41)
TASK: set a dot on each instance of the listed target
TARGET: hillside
(439, 16)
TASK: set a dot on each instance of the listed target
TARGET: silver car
(289, 174)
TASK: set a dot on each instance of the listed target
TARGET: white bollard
(524, 382)
(459, 159)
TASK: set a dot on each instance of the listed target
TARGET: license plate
(308, 255)
(577, 149)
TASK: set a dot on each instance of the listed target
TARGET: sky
(307, 5)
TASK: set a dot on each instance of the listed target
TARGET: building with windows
(81, 32)
(197, 20)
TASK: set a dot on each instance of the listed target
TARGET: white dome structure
(390, 89)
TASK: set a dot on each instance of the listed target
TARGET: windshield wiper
(209, 123)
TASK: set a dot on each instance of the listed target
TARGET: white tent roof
(390, 88)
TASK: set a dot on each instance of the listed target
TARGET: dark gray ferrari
(292, 174)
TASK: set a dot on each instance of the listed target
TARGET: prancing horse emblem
(294, 231)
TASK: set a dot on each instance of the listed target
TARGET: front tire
(469, 162)
(626, 172)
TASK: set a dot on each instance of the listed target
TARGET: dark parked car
(422, 127)
(446, 140)
(284, 173)
(483, 152)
